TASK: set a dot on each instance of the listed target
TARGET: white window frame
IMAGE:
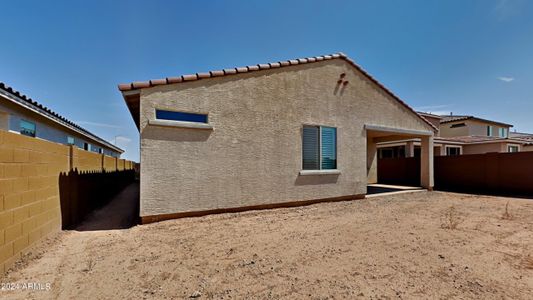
(490, 130)
(453, 146)
(321, 171)
(504, 131)
(513, 145)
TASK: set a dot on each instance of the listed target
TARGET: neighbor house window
(458, 125)
(489, 130)
(319, 147)
(503, 132)
(180, 116)
(70, 140)
(27, 128)
(453, 151)
(87, 146)
(100, 150)
(512, 149)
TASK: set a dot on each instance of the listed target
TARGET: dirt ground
(380, 248)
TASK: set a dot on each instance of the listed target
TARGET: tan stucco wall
(526, 148)
(484, 148)
(445, 130)
(473, 127)
(253, 155)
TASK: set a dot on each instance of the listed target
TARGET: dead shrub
(451, 218)
(90, 265)
(506, 214)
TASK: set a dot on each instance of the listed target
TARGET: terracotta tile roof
(449, 119)
(429, 115)
(472, 139)
(191, 77)
(43, 110)
(526, 137)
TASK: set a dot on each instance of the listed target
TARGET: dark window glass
(311, 158)
(453, 151)
(458, 125)
(319, 146)
(329, 148)
(180, 116)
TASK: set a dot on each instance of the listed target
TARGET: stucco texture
(253, 155)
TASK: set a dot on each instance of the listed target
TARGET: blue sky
(469, 57)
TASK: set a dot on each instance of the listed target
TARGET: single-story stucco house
(22, 115)
(269, 135)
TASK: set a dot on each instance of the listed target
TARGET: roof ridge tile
(291, 62)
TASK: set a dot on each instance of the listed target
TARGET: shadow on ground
(121, 213)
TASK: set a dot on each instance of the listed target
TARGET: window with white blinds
(319, 147)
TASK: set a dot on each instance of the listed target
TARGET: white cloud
(122, 139)
(506, 79)
(506, 9)
(432, 107)
(98, 124)
(441, 112)
(441, 109)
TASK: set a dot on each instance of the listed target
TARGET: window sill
(180, 124)
(319, 172)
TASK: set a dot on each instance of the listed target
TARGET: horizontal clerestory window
(319, 148)
(180, 116)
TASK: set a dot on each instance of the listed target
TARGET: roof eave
(127, 87)
(17, 100)
(133, 101)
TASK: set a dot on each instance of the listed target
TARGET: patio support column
(443, 150)
(426, 163)
(410, 149)
(371, 161)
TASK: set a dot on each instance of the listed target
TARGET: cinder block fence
(30, 172)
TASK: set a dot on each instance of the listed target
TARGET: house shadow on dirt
(99, 200)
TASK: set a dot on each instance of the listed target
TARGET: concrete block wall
(109, 163)
(29, 189)
(85, 160)
(29, 192)
(121, 165)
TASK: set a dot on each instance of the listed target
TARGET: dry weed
(90, 265)
(451, 218)
(506, 214)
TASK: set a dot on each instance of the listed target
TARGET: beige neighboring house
(527, 138)
(458, 135)
(267, 135)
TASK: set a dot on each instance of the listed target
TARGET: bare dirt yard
(402, 246)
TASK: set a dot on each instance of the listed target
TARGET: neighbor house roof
(463, 140)
(22, 100)
(450, 119)
(475, 139)
(132, 98)
(526, 137)
(425, 114)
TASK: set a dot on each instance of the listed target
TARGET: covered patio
(379, 134)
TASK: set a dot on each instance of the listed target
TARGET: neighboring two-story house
(461, 135)
(20, 114)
